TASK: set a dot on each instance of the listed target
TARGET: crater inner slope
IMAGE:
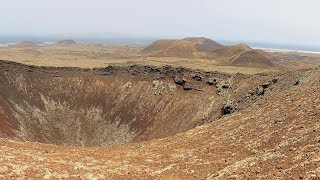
(115, 105)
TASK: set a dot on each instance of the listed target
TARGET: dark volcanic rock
(227, 108)
(296, 82)
(275, 80)
(266, 85)
(187, 87)
(225, 85)
(260, 91)
(179, 81)
(197, 77)
(212, 82)
(222, 85)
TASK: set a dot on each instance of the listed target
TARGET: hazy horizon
(285, 22)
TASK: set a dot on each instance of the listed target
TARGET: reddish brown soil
(271, 135)
(114, 105)
(238, 55)
(7, 124)
(253, 58)
(204, 44)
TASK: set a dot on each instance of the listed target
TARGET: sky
(278, 21)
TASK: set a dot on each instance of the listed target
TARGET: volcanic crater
(115, 105)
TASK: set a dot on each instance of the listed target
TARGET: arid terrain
(176, 109)
(102, 55)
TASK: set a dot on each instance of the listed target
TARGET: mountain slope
(202, 48)
(252, 58)
(229, 51)
(24, 44)
(185, 48)
(204, 44)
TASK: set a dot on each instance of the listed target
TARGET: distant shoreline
(286, 50)
(283, 50)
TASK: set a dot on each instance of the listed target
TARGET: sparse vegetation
(157, 117)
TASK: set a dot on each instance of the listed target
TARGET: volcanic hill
(185, 48)
(66, 42)
(24, 44)
(203, 48)
(204, 44)
(242, 55)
